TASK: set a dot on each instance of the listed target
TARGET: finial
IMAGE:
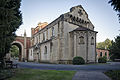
(24, 32)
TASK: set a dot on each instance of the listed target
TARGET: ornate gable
(78, 16)
(79, 12)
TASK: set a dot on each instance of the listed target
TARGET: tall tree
(14, 50)
(116, 6)
(10, 20)
(115, 48)
(105, 44)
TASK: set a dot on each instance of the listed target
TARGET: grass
(35, 74)
(113, 74)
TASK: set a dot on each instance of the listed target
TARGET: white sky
(101, 14)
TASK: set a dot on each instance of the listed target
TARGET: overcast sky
(101, 14)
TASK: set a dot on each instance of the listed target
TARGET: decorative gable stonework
(72, 34)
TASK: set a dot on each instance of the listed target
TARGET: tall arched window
(45, 50)
(105, 53)
(92, 41)
(81, 40)
(53, 34)
(43, 36)
(51, 44)
(100, 54)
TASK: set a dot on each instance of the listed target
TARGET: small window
(45, 50)
(100, 54)
(81, 40)
(92, 41)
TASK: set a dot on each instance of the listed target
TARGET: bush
(102, 60)
(78, 61)
(113, 74)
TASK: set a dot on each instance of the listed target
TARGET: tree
(14, 50)
(10, 20)
(104, 45)
(116, 6)
(115, 48)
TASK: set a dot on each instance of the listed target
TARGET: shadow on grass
(113, 74)
(35, 74)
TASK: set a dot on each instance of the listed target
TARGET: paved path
(91, 75)
(84, 72)
(99, 67)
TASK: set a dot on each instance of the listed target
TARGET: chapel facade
(70, 35)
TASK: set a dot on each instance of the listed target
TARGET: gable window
(45, 50)
(80, 12)
(92, 41)
(81, 40)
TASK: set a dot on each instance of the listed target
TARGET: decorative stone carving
(75, 20)
(80, 12)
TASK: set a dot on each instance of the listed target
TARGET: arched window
(31, 52)
(105, 53)
(81, 40)
(92, 41)
(100, 54)
(45, 50)
(43, 36)
(51, 44)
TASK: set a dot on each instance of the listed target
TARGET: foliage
(10, 20)
(78, 60)
(115, 48)
(35, 74)
(104, 45)
(14, 50)
(113, 74)
(102, 59)
(116, 6)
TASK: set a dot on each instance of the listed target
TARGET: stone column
(75, 44)
(95, 49)
(24, 54)
(87, 46)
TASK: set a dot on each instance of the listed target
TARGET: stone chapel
(70, 35)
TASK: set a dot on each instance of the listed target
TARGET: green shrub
(102, 59)
(78, 61)
(113, 74)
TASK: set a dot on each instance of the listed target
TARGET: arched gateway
(23, 43)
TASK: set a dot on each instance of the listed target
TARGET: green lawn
(113, 74)
(35, 74)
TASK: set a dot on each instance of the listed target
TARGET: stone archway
(21, 49)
